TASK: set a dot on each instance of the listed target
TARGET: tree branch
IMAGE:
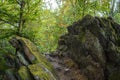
(8, 15)
(7, 22)
(18, 2)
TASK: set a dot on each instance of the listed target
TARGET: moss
(33, 50)
(101, 20)
(24, 73)
(82, 36)
(115, 76)
(118, 41)
(3, 62)
(39, 57)
(41, 72)
(70, 63)
(88, 19)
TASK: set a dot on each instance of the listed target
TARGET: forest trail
(65, 67)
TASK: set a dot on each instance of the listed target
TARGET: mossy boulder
(35, 72)
(24, 73)
(29, 62)
(41, 72)
(93, 43)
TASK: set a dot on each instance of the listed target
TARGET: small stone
(67, 70)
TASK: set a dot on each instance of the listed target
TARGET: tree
(17, 13)
(118, 6)
(112, 10)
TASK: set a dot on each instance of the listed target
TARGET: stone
(27, 63)
(93, 43)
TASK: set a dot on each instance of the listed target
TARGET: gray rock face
(94, 43)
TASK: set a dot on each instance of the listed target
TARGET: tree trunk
(21, 20)
(112, 8)
(83, 12)
(118, 6)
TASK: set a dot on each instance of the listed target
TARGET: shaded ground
(65, 68)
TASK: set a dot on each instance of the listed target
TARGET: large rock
(27, 63)
(94, 44)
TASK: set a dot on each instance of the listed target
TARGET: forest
(59, 39)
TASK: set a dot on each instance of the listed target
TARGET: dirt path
(65, 68)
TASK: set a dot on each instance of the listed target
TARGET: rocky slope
(27, 63)
(94, 44)
(90, 50)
